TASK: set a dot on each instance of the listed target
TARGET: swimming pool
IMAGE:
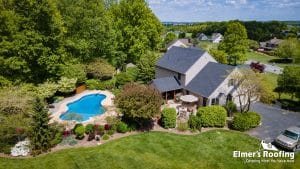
(84, 108)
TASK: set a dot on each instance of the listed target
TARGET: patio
(184, 106)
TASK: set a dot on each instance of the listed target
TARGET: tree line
(42, 39)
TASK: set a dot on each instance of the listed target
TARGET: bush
(89, 128)
(100, 130)
(77, 125)
(79, 131)
(230, 108)
(110, 132)
(212, 116)
(122, 127)
(105, 137)
(92, 84)
(245, 121)
(182, 126)
(58, 137)
(107, 127)
(168, 118)
(195, 122)
(91, 136)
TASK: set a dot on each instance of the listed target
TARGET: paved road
(274, 121)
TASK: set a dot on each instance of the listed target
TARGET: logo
(266, 153)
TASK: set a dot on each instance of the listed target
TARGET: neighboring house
(194, 71)
(216, 37)
(184, 43)
(202, 37)
(270, 45)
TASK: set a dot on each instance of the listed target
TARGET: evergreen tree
(40, 132)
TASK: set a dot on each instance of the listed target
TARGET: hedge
(79, 131)
(168, 118)
(212, 116)
(245, 121)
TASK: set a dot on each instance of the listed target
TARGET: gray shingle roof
(180, 59)
(166, 84)
(209, 78)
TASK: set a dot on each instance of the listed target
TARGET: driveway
(268, 68)
(274, 121)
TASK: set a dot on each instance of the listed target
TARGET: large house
(193, 71)
(216, 37)
(270, 44)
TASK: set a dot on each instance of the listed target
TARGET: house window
(231, 82)
(215, 101)
(179, 76)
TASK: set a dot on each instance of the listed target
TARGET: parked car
(289, 139)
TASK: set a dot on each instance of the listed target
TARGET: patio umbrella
(189, 98)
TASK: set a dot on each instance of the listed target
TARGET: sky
(223, 10)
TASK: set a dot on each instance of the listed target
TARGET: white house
(216, 38)
(184, 43)
(194, 71)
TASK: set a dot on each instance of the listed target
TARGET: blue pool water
(84, 108)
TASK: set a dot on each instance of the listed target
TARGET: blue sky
(220, 10)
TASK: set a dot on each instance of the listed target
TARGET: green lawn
(206, 45)
(159, 150)
(265, 59)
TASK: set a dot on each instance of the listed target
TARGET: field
(213, 149)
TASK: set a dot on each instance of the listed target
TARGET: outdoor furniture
(188, 98)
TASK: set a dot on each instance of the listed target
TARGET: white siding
(224, 88)
(198, 66)
(178, 43)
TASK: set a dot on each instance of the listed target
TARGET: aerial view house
(193, 71)
(216, 37)
(185, 43)
(202, 36)
(270, 44)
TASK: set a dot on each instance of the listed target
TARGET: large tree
(89, 29)
(235, 43)
(138, 28)
(289, 81)
(30, 36)
(288, 49)
(146, 67)
(139, 103)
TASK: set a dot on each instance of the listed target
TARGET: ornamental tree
(139, 103)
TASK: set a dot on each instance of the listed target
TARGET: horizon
(225, 10)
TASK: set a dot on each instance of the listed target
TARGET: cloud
(236, 2)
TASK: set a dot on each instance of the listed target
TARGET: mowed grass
(266, 59)
(159, 150)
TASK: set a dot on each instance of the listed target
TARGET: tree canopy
(235, 43)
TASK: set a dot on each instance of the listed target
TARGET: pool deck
(61, 107)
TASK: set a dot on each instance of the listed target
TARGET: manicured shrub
(105, 137)
(79, 131)
(212, 116)
(194, 122)
(110, 132)
(77, 125)
(245, 121)
(58, 137)
(122, 127)
(182, 126)
(100, 130)
(89, 128)
(168, 118)
(230, 108)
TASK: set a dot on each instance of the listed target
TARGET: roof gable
(209, 78)
(180, 59)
